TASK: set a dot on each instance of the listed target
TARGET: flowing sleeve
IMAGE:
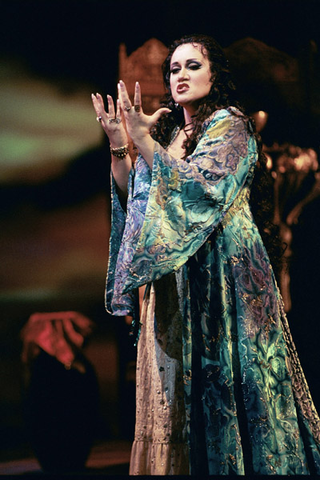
(189, 198)
(125, 232)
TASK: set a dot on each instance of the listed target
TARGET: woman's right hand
(111, 122)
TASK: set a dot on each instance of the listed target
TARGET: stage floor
(109, 458)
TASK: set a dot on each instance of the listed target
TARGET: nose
(183, 74)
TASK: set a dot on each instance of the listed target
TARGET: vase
(61, 412)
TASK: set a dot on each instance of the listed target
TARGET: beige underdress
(160, 444)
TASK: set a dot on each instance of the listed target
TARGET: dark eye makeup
(192, 65)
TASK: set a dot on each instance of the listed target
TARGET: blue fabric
(247, 403)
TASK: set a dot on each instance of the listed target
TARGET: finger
(124, 97)
(118, 115)
(95, 104)
(110, 106)
(155, 117)
(137, 97)
(98, 104)
(100, 100)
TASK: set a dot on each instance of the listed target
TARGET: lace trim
(149, 458)
(299, 382)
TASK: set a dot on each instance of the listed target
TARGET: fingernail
(137, 83)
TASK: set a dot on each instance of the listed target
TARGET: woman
(219, 386)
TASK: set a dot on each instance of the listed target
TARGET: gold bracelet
(120, 152)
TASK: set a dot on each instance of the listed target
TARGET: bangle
(120, 152)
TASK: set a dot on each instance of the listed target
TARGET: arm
(138, 124)
(113, 126)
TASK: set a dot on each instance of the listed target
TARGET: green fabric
(248, 405)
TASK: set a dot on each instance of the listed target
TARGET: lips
(182, 87)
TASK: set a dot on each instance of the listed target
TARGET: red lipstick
(182, 87)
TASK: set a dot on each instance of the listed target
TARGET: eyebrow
(189, 60)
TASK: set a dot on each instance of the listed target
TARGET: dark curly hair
(221, 95)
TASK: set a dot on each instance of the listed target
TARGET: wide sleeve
(188, 199)
(125, 232)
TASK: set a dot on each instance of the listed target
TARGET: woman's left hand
(138, 123)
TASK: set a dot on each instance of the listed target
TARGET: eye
(174, 70)
(194, 66)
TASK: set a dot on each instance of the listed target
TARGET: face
(190, 75)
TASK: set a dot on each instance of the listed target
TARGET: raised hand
(138, 123)
(111, 122)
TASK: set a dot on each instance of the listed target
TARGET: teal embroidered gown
(220, 389)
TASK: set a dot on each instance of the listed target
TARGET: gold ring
(137, 108)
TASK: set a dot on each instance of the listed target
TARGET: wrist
(118, 143)
(146, 149)
(142, 141)
(119, 140)
(120, 152)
